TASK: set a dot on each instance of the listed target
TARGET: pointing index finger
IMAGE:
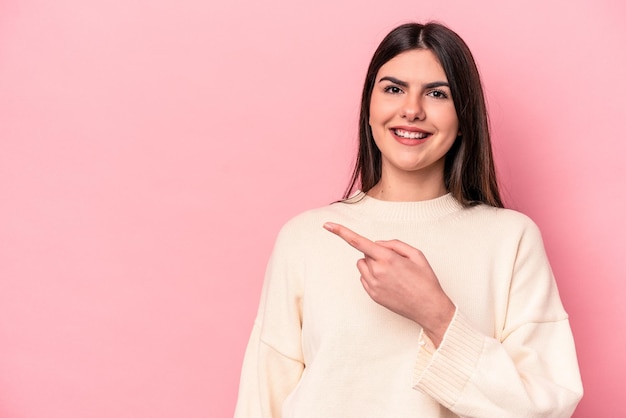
(366, 246)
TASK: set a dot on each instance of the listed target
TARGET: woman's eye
(438, 94)
(393, 89)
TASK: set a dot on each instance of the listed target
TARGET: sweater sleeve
(530, 370)
(273, 361)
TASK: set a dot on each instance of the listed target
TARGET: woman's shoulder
(313, 218)
(306, 230)
(505, 219)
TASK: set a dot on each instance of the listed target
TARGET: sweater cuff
(443, 372)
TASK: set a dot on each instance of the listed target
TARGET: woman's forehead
(413, 65)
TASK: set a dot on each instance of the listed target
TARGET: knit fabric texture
(322, 348)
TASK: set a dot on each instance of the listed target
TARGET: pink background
(151, 150)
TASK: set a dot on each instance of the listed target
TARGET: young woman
(442, 303)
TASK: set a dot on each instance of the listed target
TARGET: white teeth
(410, 135)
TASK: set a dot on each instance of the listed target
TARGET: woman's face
(412, 114)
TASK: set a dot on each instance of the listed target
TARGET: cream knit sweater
(321, 348)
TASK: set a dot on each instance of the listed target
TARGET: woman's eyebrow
(401, 83)
(436, 84)
(395, 81)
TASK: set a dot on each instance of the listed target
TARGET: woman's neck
(408, 188)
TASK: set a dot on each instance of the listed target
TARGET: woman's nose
(413, 110)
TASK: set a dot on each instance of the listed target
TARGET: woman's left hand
(398, 277)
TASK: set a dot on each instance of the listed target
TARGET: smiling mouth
(410, 135)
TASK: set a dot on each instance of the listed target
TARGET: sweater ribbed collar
(425, 210)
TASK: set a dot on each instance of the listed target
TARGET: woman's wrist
(439, 322)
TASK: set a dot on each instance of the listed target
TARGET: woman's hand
(398, 277)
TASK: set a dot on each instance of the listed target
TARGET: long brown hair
(469, 172)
